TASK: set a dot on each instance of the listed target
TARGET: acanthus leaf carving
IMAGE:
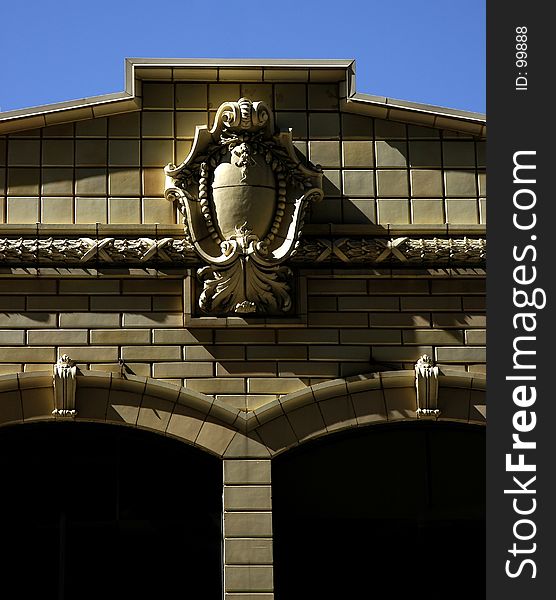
(65, 372)
(243, 193)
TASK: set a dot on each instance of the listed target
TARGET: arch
(215, 427)
(141, 402)
(361, 400)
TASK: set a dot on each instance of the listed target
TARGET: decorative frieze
(354, 250)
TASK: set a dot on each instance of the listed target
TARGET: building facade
(283, 280)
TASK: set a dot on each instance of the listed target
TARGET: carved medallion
(243, 193)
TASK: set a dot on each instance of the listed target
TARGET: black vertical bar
(520, 546)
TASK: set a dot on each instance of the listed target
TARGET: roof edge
(270, 69)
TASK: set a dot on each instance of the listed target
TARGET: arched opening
(397, 507)
(101, 511)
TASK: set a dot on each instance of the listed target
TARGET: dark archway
(95, 511)
(397, 507)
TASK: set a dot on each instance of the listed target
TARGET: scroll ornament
(243, 193)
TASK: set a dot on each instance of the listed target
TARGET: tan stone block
(276, 352)
(91, 182)
(124, 210)
(57, 336)
(57, 303)
(326, 319)
(369, 406)
(399, 353)
(459, 286)
(323, 96)
(12, 336)
(291, 96)
(477, 303)
(392, 183)
(27, 320)
(248, 578)
(153, 320)
(306, 421)
(57, 182)
(91, 210)
(214, 352)
(358, 183)
(459, 153)
(260, 91)
(120, 336)
(158, 210)
(124, 182)
(57, 210)
(182, 369)
(151, 353)
(123, 153)
(222, 92)
(453, 404)
(191, 96)
(31, 355)
(57, 153)
(9, 369)
(482, 183)
(357, 127)
(33, 367)
(247, 497)
(475, 337)
(401, 403)
(239, 551)
(37, 403)
(427, 211)
(389, 129)
(461, 183)
(324, 126)
(153, 183)
(91, 128)
(126, 125)
(10, 406)
(157, 153)
(296, 121)
(426, 184)
(247, 471)
(158, 124)
(214, 437)
(220, 385)
(168, 303)
(461, 354)
(91, 354)
(158, 95)
(416, 131)
(23, 210)
(62, 130)
(358, 154)
(431, 303)
(247, 524)
(186, 122)
(336, 286)
(245, 369)
(22, 153)
(308, 336)
(466, 320)
(183, 148)
(425, 154)
(185, 423)
(351, 303)
(182, 336)
(123, 407)
(393, 210)
(153, 286)
(154, 413)
(326, 154)
(89, 287)
(90, 152)
(89, 320)
(255, 336)
(391, 153)
(128, 303)
(12, 303)
(274, 385)
(23, 182)
(339, 353)
(370, 336)
(433, 336)
(462, 211)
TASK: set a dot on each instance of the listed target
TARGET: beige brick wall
(354, 325)
(109, 170)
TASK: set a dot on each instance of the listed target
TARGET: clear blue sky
(431, 51)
